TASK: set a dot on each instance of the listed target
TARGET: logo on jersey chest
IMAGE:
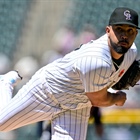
(121, 73)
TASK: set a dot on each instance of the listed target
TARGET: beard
(117, 48)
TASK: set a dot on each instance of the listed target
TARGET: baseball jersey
(88, 68)
(57, 91)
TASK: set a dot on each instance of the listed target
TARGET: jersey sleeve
(94, 73)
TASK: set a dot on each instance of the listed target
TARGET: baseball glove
(130, 78)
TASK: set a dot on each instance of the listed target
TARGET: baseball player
(64, 90)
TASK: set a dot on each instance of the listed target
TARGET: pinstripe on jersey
(57, 91)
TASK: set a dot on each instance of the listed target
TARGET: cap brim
(125, 23)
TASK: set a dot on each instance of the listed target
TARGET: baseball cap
(124, 15)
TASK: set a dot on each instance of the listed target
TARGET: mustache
(124, 41)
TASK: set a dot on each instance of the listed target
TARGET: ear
(107, 29)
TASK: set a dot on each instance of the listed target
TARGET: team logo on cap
(127, 15)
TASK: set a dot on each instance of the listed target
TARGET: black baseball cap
(124, 15)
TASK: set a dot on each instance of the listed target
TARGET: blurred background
(33, 33)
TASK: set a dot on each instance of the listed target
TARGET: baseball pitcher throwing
(64, 90)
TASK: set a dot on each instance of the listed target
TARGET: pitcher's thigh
(71, 125)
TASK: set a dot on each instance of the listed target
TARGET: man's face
(121, 37)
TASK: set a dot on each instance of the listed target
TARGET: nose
(124, 36)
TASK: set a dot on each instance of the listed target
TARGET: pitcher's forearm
(108, 99)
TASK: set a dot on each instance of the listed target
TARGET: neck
(117, 62)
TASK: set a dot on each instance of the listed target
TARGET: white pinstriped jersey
(86, 69)
(57, 91)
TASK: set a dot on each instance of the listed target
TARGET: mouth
(123, 43)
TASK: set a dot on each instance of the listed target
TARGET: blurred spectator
(95, 113)
(5, 64)
(27, 66)
(63, 40)
(44, 130)
(62, 43)
(86, 34)
(50, 56)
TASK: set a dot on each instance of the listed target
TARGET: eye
(130, 31)
(119, 29)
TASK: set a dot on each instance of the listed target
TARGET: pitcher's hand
(121, 98)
